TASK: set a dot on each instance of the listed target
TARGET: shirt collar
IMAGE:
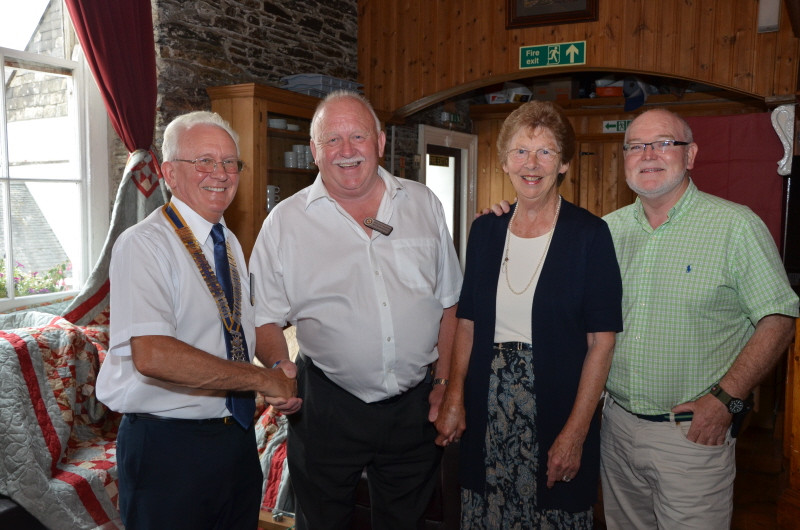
(199, 226)
(319, 191)
(674, 213)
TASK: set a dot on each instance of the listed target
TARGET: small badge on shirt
(383, 228)
(252, 290)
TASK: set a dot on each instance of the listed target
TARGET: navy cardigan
(579, 292)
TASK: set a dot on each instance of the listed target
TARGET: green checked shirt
(693, 290)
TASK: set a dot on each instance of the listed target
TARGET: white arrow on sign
(572, 51)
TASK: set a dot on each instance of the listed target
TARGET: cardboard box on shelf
(555, 89)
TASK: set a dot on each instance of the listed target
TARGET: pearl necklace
(541, 260)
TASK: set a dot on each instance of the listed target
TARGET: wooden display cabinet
(248, 108)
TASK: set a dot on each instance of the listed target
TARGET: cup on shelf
(310, 158)
(272, 196)
(277, 123)
(300, 153)
(290, 159)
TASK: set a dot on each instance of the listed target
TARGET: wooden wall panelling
(745, 34)
(666, 48)
(427, 16)
(709, 41)
(786, 57)
(686, 53)
(789, 500)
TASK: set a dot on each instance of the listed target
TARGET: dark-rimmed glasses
(659, 146)
(208, 165)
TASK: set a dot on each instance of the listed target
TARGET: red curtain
(117, 39)
(738, 160)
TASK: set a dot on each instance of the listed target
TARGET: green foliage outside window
(35, 282)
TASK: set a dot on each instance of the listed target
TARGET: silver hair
(182, 124)
(687, 131)
(337, 96)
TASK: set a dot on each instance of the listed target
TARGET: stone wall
(225, 42)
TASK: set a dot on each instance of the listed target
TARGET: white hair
(182, 124)
(337, 96)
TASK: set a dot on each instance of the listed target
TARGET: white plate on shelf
(293, 127)
(277, 123)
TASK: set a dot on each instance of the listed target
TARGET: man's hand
(451, 420)
(710, 422)
(498, 209)
(435, 399)
(281, 391)
(564, 458)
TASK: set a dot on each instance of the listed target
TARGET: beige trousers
(654, 477)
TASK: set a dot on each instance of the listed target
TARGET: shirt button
(391, 370)
(638, 337)
(384, 304)
(376, 273)
(388, 339)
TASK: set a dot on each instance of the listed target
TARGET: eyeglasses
(660, 146)
(522, 155)
(208, 165)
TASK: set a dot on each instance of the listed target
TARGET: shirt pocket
(417, 262)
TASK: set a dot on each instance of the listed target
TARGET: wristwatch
(734, 405)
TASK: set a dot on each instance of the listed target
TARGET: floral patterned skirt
(512, 457)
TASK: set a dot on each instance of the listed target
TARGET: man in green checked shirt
(707, 312)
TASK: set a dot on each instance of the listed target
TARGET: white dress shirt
(367, 309)
(156, 289)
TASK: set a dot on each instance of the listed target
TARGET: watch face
(735, 406)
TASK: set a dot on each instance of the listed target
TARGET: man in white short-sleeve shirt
(363, 265)
(182, 336)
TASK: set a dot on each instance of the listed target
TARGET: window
(53, 209)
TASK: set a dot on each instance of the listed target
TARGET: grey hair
(180, 125)
(687, 131)
(337, 96)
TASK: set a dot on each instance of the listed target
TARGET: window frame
(93, 164)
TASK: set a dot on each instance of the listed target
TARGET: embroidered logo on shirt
(688, 269)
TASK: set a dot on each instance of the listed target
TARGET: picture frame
(530, 13)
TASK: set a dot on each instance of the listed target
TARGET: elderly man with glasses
(708, 311)
(182, 338)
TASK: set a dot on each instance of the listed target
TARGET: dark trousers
(187, 475)
(336, 435)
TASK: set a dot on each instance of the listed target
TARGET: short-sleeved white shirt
(367, 309)
(156, 289)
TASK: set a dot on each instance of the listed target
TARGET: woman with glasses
(539, 309)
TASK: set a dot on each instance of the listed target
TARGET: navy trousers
(187, 475)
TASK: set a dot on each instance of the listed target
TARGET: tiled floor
(758, 479)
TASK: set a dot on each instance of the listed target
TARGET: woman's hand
(451, 421)
(564, 458)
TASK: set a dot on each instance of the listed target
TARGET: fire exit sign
(616, 126)
(547, 55)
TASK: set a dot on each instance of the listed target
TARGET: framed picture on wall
(527, 13)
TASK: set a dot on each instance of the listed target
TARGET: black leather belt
(227, 420)
(681, 416)
(513, 346)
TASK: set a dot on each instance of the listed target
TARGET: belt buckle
(228, 420)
